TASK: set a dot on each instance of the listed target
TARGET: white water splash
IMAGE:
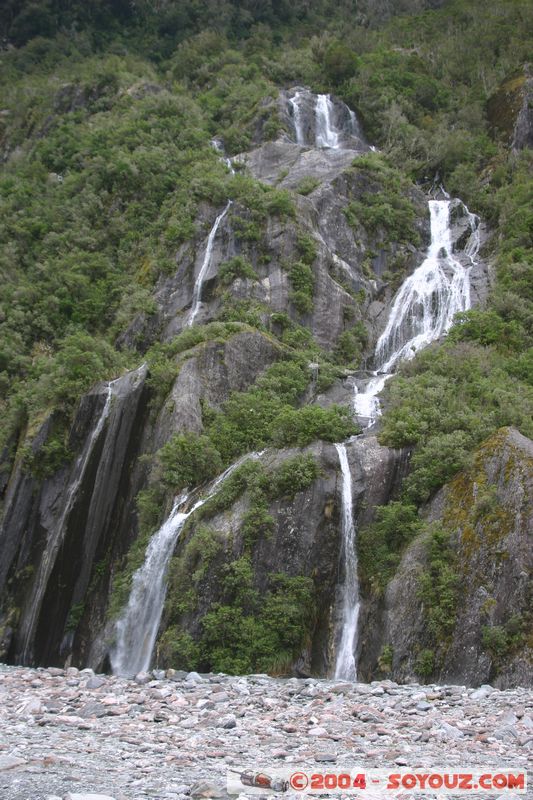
(326, 133)
(297, 117)
(56, 536)
(345, 667)
(137, 627)
(424, 307)
(197, 292)
(218, 146)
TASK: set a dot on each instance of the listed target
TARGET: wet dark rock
(510, 109)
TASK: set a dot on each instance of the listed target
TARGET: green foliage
(448, 400)
(188, 460)
(257, 523)
(349, 345)
(299, 427)
(501, 641)
(150, 502)
(246, 635)
(295, 475)
(307, 247)
(381, 544)
(247, 418)
(339, 62)
(384, 208)
(237, 267)
(307, 185)
(178, 649)
(74, 616)
(438, 587)
(50, 457)
(425, 663)
(385, 659)
(302, 280)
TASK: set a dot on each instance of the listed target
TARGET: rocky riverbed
(173, 736)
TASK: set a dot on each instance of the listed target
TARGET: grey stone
(326, 757)
(482, 692)
(194, 677)
(84, 796)
(206, 789)
(95, 683)
(228, 721)
(10, 762)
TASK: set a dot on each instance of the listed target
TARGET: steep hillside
(220, 251)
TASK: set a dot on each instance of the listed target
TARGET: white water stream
(422, 311)
(197, 291)
(56, 536)
(137, 627)
(345, 666)
(424, 306)
(326, 133)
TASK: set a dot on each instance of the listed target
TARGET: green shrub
(349, 345)
(188, 460)
(299, 427)
(302, 280)
(239, 641)
(295, 475)
(307, 185)
(438, 587)
(380, 544)
(236, 267)
(425, 664)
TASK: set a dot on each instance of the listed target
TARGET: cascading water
(136, 629)
(323, 123)
(423, 310)
(56, 536)
(345, 666)
(425, 305)
(217, 144)
(197, 292)
(297, 116)
(326, 133)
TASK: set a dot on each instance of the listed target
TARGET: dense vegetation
(107, 111)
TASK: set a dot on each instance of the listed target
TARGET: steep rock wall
(487, 511)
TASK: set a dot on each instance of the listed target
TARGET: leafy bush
(295, 475)
(439, 586)
(349, 345)
(380, 545)
(247, 635)
(188, 460)
(304, 425)
(425, 663)
(236, 267)
(302, 281)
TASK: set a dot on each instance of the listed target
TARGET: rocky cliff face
(487, 513)
(64, 538)
(510, 110)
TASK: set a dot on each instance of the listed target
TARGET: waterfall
(424, 306)
(345, 666)
(324, 129)
(297, 116)
(218, 146)
(197, 292)
(137, 627)
(55, 537)
(326, 133)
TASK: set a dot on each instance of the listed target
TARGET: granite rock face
(304, 540)
(510, 109)
(488, 510)
(65, 535)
